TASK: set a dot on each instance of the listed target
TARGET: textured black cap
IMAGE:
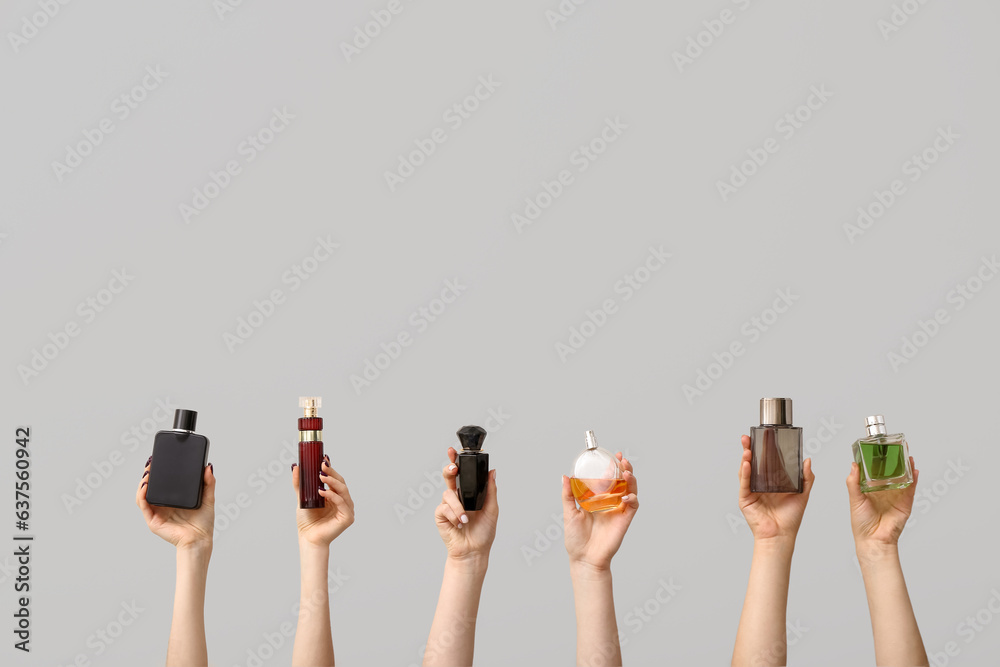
(472, 437)
(185, 420)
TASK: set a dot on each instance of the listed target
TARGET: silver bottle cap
(776, 412)
(875, 425)
(591, 440)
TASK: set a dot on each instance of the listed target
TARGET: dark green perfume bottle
(884, 458)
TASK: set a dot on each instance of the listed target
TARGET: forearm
(313, 637)
(761, 638)
(187, 646)
(596, 625)
(894, 626)
(452, 639)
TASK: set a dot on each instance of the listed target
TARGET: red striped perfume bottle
(310, 453)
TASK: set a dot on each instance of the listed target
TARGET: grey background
(494, 348)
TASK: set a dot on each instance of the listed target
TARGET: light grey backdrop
(892, 80)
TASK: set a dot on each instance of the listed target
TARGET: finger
(854, 485)
(490, 504)
(336, 499)
(452, 454)
(451, 499)
(295, 479)
(208, 494)
(916, 473)
(629, 503)
(745, 441)
(631, 484)
(745, 478)
(569, 502)
(328, 469)
(140, 501)
(808, 477)
(450, 472)
(626, 464)
(445, 513)
(338, 487)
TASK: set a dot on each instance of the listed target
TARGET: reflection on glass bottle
(473, 468)
(884, 459)
(597, 481)
(776, 449)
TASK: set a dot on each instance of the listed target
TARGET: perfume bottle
(310, 453)
(776, 449)
(177, 471)
(597, 481)
(884, 459)
(473, 468)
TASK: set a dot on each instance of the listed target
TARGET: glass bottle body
(884, 461)
(776, 459)
(597, 481)
(310, 460)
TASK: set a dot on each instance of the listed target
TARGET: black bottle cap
(184, 420)
(472, 437)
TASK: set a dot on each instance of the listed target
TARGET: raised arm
(592, 540)
(467, 537)
(877, 520)
(774, 520)
(190, 531)
(317, 529)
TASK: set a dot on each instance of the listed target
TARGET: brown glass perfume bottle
(310, 453)
(473, 468)
(776, 449)
(177, 469)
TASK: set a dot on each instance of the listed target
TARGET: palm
(772, 514)
(183, 527)
(595, 538)
(323, 525)
(881, 515)
(474, 537)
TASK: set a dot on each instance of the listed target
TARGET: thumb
(490, 504)
(854, 486)
(295, 480)
(208, 493)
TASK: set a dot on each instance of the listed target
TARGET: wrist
(581, 569)
(312, 549)
(471, 564)
(197, 550)
(875, 553)
(777, 545)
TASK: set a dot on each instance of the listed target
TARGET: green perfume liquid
(883, 461)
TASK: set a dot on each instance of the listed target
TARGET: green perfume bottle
(884, 458)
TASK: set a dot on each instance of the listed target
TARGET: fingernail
(146, 472)
(143, 484)
(465, 519)
(461, 526)
(625, 499)
(293, 466)
(212, 468)
(452, 468)
(148, 460)
(326, 457)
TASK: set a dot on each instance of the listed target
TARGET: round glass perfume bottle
(597, 481)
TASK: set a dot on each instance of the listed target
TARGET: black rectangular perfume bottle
(177, 471)
(473, 468)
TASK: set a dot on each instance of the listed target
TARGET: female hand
(466, 533)
(321, 526)
(772, 515)
(878, 518)
(593, 538)
(182, 528)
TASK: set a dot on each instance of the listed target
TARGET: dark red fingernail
(146, 472)
(143, 484)
(148, 460)
(293, 466)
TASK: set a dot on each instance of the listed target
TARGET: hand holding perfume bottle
(594, 536)
(321, 526)
(184, 528)
(772, 515)
(465, 532)
(878, 519)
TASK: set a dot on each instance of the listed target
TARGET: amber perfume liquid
(776, 449)
(310, 454)
(598, 495)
